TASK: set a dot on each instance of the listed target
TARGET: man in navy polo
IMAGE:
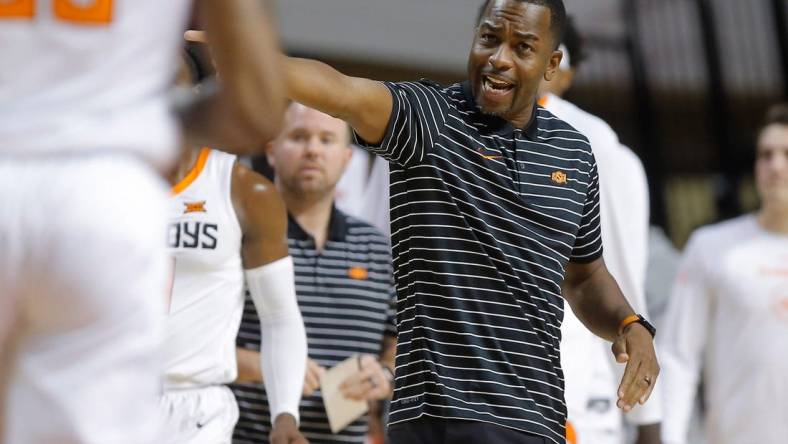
(494, 221)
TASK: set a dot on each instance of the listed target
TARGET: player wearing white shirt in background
(590, 370)
(363, 191)
(227, 232)
(352, 186)
(228, 228)
(728, 314)
(84, 124)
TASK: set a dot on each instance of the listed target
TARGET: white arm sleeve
(283, 347)
(682, 342)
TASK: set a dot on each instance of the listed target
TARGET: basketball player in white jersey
(228, 225)
(85, 122)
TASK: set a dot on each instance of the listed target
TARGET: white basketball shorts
(83, 264)
(204, 415)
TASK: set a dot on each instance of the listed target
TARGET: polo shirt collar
(337, 227)
(497, 124)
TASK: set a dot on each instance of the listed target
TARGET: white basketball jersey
(80, 75)
(207, 299)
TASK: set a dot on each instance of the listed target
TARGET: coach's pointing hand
(635, 347)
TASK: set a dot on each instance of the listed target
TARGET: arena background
(683, 82)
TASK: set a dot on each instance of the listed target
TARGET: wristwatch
(637, 319)
(389, 373)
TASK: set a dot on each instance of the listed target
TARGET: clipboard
(340, 410)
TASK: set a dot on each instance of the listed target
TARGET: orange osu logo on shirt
(194, 207)
(358, 273)
(558, 177)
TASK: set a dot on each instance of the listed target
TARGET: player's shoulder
(252, 188)
(258, 204)
(249, 178)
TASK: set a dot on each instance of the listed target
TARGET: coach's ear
(553, 64)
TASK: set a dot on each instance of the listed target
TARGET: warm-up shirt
(484, 219)
(727, 319)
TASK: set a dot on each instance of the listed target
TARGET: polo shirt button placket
(318, 255)
(518, 143)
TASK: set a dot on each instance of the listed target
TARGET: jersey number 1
(96, 12)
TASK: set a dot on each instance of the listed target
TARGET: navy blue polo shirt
(484, 219)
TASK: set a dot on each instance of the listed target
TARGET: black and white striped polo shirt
(484, 218)
(346, 297)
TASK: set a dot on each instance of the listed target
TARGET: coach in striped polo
(343, 284)
(494, 221)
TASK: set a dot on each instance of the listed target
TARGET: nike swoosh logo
(487, 156)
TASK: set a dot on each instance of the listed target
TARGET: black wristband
(647, 325)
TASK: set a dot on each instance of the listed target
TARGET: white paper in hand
(340, 410)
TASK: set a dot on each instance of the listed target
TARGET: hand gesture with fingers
(312, 377)
(371, 382)
(635, 347)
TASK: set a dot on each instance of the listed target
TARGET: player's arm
(270, 279)
(598, 302)
(249, 370)
(263, 218)
(248, 109)
(248, 365)
(365, 104)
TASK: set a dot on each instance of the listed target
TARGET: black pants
(426, 430)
